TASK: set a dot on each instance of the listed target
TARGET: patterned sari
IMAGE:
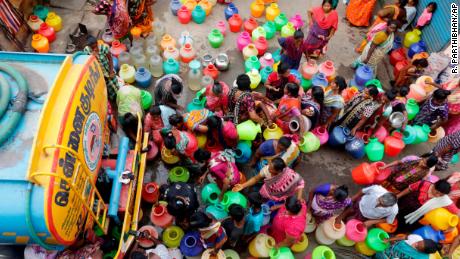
(401, 250)
(384, 44)
(282, 185)
(194, 118)
(322, 25)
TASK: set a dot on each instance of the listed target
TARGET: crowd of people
(410, 191)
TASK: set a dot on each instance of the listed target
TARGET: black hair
(243, 82)
(215, 123)
(168, 139)
(175, 119)
(202, 155)
(442, 186)
(91, 41)
(285, 141)
(341, 83)
(200, 220)
(176, 86)
(283, 67)
(402, 3)
(423, 62)
(278, 164)
(434, 5)
(298, 34)
(176, 206)
(129, 123)
(441, 94)
(236, 212)
(415, 2)
(317, 92)
(217, 88)
(138, 255)
(400, 107)
(390, 95)
(394, 22)
(255, 199)
(341, 193)
(430, 246)
(293, 205)
(327, 2)
(155, 110)
(431, 161)
(373, 91)
(293, 89)
(404, 91)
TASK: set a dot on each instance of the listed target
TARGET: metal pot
(206, 60)
(222, 62)
(396, 119)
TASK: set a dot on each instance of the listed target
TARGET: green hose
(5, 95)
(30, 227)
(19, 103)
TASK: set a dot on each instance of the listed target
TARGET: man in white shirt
(372, 205)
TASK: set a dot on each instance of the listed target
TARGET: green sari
(401, 250)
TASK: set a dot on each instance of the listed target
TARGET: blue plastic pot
(355, 147)
(243, 152)
(409, 135)
(363, 74)
(175, 5)
(338, 136)
(143, 77)
(397, 43)
(191, 244)
(230, 10)
(416, 48)
(427, 232)
(319, 79)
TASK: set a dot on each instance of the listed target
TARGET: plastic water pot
(355, 147)
(440, 219)
(328, 69)
(397, 55)
(272, 12)
(319, 79)
(171, 66)
(179, 174)
(412, 37)
(273, 132)
(261, 45)
(270, 29)
(389, 228)
(252, 63)
(243, 40)
(417, 92)
(230, 11)
(235, 22)
(344, 241)
(160, 216)
(250, 24)
(172, 236)
(309, 69)
(217, 211)
(416, 48)
(363, 74)
(144, 242)
(375, 239)
(412, 109)
(421, 133)
(234, 198)
(356, 230)
(323, 252)
(184, 15)
(243, 152)
(363, 174)
(261, 245)
(210, 193)
(248, 130)
(127, 73)
(280, 21)
(394, 144)
(339, 135)
(258, 32)
(438, 134)
(199, 14)
(309, 143)
(191, 244)
(281, 253)
(301, 245)
(143, 77)
(362, 248)
(374, 150)
(257, 8)
(175, 5)
(427, 232)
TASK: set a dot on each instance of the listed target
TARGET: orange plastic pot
(363, 174)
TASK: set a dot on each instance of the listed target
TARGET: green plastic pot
(179, 174)
(412, 109)
(215, 38)
(323, 252)
(234, 198)
(306, 84)
(374, 150)
(281, 253)
(375, 82)
(146, 99)
(454, 159)
(217, 211)
(172, 236)
(252, 63)
(309, 143)
(210, 193)
(270, 29)
(375, 239)
(421, 133)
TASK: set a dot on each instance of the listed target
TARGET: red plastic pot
(400, 65)
(380, 175)
(150, 192)
(261, 45)
(235, 22)
(363, 174)
(394, 144)
(47, 31)
(397, 55)
(184, 15)
(250, 24)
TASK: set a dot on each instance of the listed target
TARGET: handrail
(79, 196)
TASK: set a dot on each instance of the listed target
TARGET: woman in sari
(180, 142)
(222, 167)
(445, 149)
(117, 17)
(289, 107)
(377, 47)
(195, 120)
(454, 180)
(280, 181)
(323, 23)
(359, 109)
(333, 102)
(292, 49)
(420, 198)
(434, 111)
(242, 104)
(141, 14)
(217, 98)
(412, 248)
(269, 149)
(289, 222)
(359, 12)
(453, 102)
(328, 200)
(407, 171)
(312, 104)
(168, 90)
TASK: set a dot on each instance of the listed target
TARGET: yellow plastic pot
(440, 219)
(362, 248)
(301, 245)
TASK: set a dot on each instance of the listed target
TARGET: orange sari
(359, 12)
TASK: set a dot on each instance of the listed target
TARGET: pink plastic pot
(380, 175)
(222, 27)
(381, 134)
(243, 40)
(322, 134)
(356, 231)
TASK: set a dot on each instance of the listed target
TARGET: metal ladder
(86, 192)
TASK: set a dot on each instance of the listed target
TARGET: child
(426, 16)
(411, 11)
(212, 233)
(153, 124)
(409, 72)
(255, 216)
